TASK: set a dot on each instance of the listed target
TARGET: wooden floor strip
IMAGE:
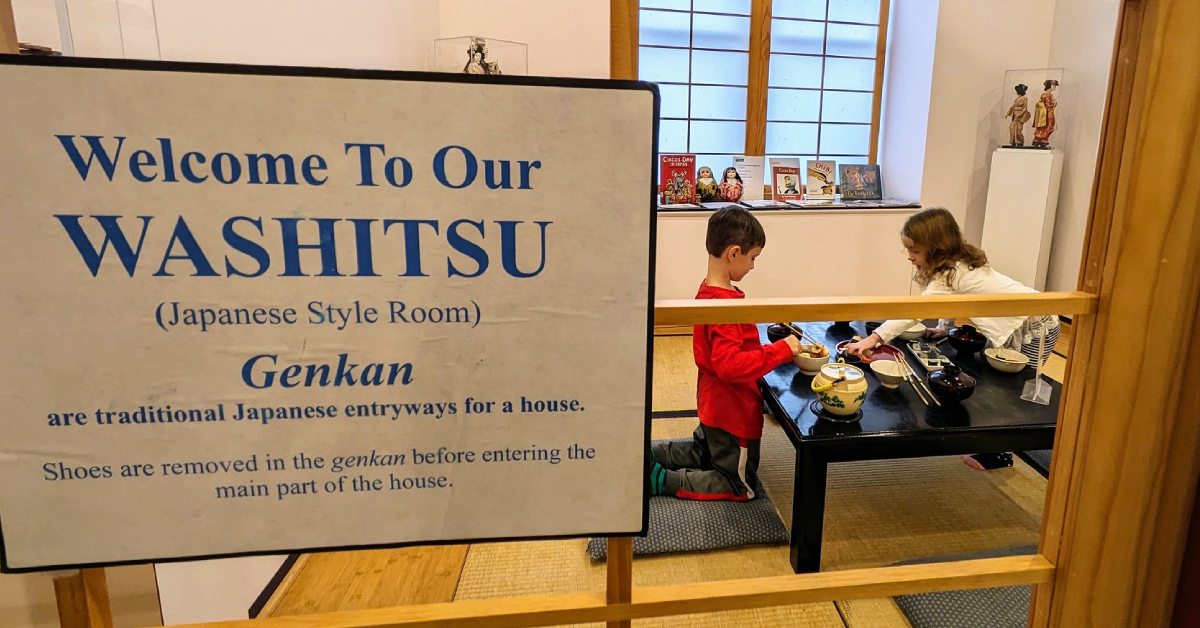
(345, 581)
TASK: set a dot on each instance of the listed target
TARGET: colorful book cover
(750, 169)
(820, 179)
(786, 183)
(859, 182)
(677, 179)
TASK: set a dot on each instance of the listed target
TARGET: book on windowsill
(678, 207)
(719, 204)
(677, 179)
(818, 203)
(787, 184)
(766, 204)
(882, 203)
(859, 182)
(821, 178)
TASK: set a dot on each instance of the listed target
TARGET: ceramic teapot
(841, 388)
(950, 384)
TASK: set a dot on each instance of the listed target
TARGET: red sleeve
(732, 363)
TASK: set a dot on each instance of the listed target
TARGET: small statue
(1043, 117)
(706, 185)
(1019, 112)
(474, 64)
(731, 185)
(477, 58)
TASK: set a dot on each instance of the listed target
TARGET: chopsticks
(799, 334)
(913, 380)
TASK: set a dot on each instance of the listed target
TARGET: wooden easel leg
(620, 575)
(83, 600)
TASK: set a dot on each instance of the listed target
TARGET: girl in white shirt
(946, 264)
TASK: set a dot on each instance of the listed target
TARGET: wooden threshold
(702, 597)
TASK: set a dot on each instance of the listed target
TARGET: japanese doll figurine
(1019, 112)
(1043, 115)
(706, 185)
(731, 185)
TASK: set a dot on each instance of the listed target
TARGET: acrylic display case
(1040, 115)
(473, 54)
(124, 29)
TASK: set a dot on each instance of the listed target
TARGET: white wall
(1083, 38)
(375, 34)
(564, 38)
(213, 590)
(912, 30)
(976, 43)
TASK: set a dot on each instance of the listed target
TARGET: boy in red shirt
(722, 460)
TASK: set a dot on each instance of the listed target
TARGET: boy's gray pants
(716, 465)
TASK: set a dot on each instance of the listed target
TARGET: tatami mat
(674, 374)
(545, 567)
(882, 512)
(877, 513)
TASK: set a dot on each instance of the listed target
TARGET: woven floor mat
(563, 566)
(674, 375)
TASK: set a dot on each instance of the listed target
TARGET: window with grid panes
(821, 76)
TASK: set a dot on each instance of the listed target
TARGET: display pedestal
(1019, 224)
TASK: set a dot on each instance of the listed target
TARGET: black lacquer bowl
(966, 340)
(951, 384)
(777, 332)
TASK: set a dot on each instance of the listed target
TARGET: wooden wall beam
(758, 77)
(623, 30)
(8, 29)
(880, 65)
(1120, 497)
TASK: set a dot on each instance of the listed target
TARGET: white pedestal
(1019, 224)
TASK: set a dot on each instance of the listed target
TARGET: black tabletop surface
(995, 404)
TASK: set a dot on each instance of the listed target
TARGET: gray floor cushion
(1039, 459)
(999, 607)
(680, 525)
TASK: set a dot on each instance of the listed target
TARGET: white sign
(249, 313)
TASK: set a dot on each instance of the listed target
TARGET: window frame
(626, 47)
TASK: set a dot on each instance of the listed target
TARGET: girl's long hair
(936, 232)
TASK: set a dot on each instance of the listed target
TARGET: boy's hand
(933, 333)
(793, 343)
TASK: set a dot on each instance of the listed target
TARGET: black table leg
(808, 510)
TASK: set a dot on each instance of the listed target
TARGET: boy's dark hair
(732, 226)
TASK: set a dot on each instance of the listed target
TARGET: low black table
(895, 424)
